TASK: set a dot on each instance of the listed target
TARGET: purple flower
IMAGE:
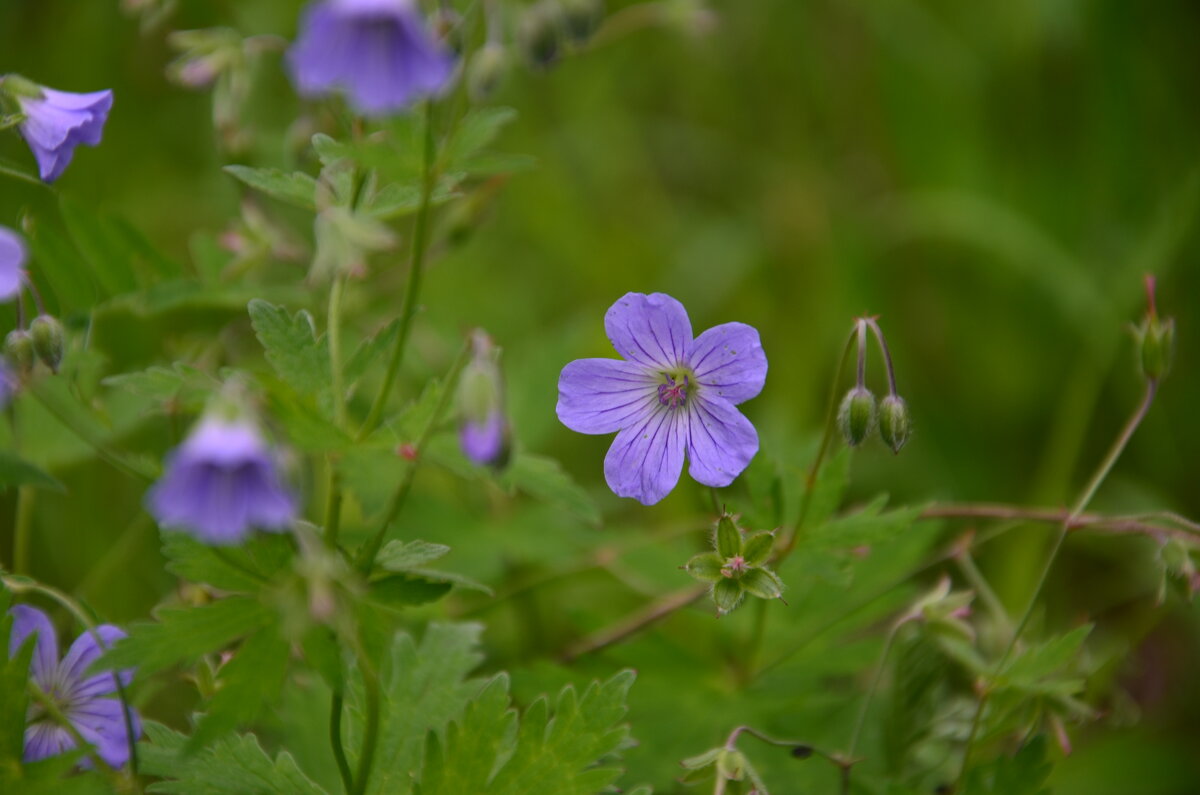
(58, 121)
(221, 483)
(12, 263)
(485, 442)
(672, 393)
(83, 698)
(379, 52)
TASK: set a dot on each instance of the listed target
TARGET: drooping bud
(48, 340)
(540, 33)
(486, 71)
(484, 435)
(895, 425)
(18, 347)
(857, 415)
(1155, 338)
(581, 18)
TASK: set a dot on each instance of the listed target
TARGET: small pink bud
(407, 451)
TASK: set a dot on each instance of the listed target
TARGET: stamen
(673, 393)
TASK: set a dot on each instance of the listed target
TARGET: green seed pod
(895, 424)
(727, 594)
(486, 71)
(581, 19)
(729, 537)
(540, 34)
(49, 340)
(857, 415)
(18, 347)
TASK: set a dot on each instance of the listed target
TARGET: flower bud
(581, 18)
(484, 435)
(18, 347)
(857, 415)
(540, 33)
(731, 765)
(1156, 344)
(48, 340)
(895, 425)
(486, 71)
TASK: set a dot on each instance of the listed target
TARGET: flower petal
(721, 442)
(483, 442)
(652, 330)
(73, 680)
(12, 262)
(604, 395)
(646, 458)
(45, 739)
(729, 360)
(101, 722)
(29, 620)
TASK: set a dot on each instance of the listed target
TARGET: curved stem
(366, 557)
(861, 719)
(887, 354)
(1068, 523)
(335, 740)
(413, 290)
(374, 696)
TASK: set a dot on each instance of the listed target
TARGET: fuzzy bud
(540, 33)
(895, 424)
(484, 435)
(581, 18)
(18, 347)
(48, 340)
(1156, 344)
(857, 415)
(486, 71)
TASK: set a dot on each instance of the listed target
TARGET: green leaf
(407, 590)
(183, 635)
(298, 189)
(1044, 659)
(407, 555)
(61, 268)
(227, 569)
(232, 766)
(370, 350)
(567, 753)
(291, 346)
(424, 689)
(247, 683)
(182, 387)
(404, 198)
(545, 479)
(106, 252)
(464, 152)
(16, 471)
(1025, 773)
(55, 775)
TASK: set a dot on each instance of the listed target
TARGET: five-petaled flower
(672, 394)
(84, 699)
(12, 263)
(58, 121)
(379, 52)
(221, 483)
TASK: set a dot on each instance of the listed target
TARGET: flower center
(673, 392)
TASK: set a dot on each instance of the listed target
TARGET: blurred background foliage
(991, 179)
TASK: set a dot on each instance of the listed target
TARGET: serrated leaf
(545, 479)
(291, 346)
(1024, 773)
(568, 753)
(181, 386)
(298, 189)
(16, 471)
(424, 689)
(1044, 659)
(247, 683)
(232, 766)
(398, 199)
(227, 569)
(407, 590)
(182, 635)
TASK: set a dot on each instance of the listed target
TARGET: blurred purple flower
(672, 393)
(485, 442)
(12, 263)
(58, 121)
(79, 696)
(221, 483)
(380, 52)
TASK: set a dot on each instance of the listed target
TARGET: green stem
(333, 505)
(22, 534)
(117, 460)
(975, 577)
(861, 720)
(47, 704)
(1067, 525)
(413, 291)
(335, 739)
(366, 558)
(374, 696)
(826, 438)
